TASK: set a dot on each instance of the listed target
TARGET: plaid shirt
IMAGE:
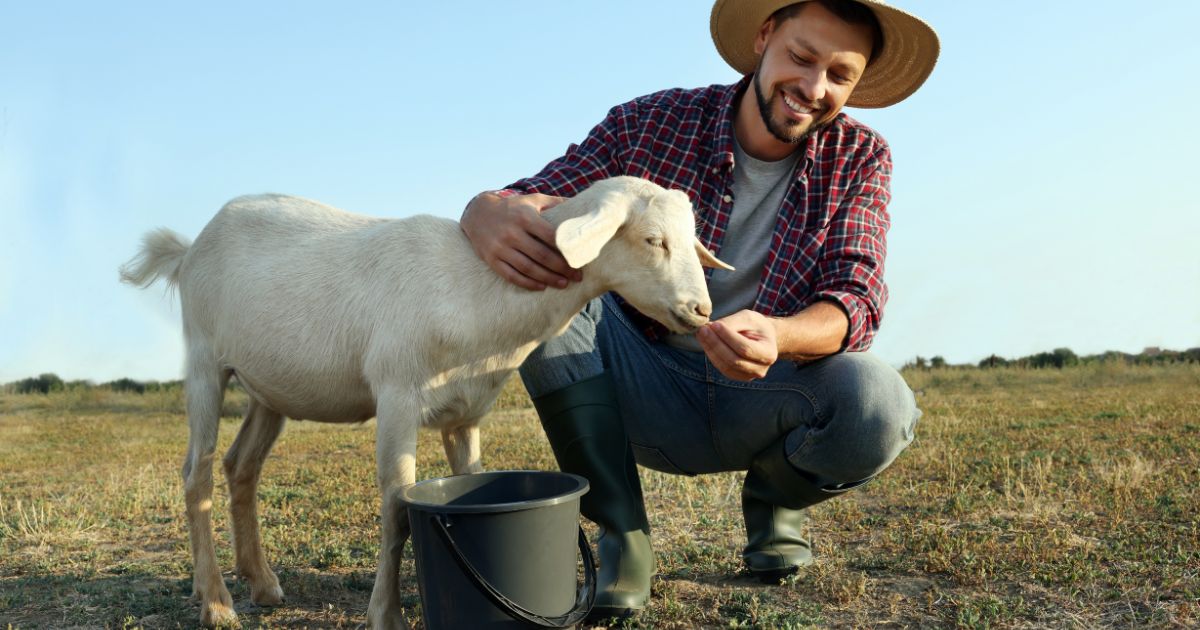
(830, 239)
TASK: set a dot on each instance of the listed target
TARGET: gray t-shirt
(758, 189)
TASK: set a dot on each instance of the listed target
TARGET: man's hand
(743, 346)
(510, 235)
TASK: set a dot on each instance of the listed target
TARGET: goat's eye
(656, 242)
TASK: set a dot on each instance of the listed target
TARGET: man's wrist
(487, 194)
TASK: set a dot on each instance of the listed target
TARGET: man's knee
(875, 414)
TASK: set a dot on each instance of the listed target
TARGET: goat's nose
(703, 309)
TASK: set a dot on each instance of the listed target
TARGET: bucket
(497, 550)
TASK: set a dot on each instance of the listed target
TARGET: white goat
(336, 317)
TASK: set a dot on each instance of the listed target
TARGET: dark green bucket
(497, 550)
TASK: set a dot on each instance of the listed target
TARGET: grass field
(1047, 498)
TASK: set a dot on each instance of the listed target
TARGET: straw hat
(910, 47)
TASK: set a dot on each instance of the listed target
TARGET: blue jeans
(843, 419)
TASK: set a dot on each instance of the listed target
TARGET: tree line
(50, 382)
(1060, 358)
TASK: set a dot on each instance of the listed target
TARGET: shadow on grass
(140, 599)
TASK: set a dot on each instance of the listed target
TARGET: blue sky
(1042, 187)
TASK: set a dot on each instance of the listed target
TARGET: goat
(330, 316)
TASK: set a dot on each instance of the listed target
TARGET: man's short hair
(849, 11)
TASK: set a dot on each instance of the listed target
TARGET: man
(792, 193)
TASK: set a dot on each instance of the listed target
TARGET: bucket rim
(581, 487)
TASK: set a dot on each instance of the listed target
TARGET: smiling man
(793, 193)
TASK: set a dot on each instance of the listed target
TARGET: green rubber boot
(775, 497)
(584, 427)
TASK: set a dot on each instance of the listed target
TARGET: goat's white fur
(336, 317)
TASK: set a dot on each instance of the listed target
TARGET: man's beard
(780, 129)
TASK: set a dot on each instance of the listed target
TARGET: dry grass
(1031, 499)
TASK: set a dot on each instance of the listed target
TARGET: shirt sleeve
(596, 158)
(850, 273)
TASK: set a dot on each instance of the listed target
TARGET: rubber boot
(584, 427)
(775, 498)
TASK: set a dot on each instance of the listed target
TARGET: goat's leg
(462, 448)
(398, 417)
(205, 391)
(243, 467)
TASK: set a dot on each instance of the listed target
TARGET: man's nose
(813, 86)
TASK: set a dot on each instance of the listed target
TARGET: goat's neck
(547, 312)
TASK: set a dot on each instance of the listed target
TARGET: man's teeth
(796, 107)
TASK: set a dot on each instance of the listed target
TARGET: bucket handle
(583, 601)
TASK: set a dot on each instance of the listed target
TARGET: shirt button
(727, 198)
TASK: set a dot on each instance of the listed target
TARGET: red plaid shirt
(830, 239)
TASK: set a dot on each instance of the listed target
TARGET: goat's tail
(160, 257)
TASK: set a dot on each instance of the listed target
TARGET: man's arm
(744, 345)
(815, 332)
(849, 272)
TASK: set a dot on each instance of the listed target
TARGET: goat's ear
(708, 260)
(580, 239)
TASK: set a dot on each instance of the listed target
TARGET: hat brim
(909, 53)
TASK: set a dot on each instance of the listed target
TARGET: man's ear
(764, 33)
(580, 239)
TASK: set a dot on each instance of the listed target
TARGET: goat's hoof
(268, 595)
(218, 615)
